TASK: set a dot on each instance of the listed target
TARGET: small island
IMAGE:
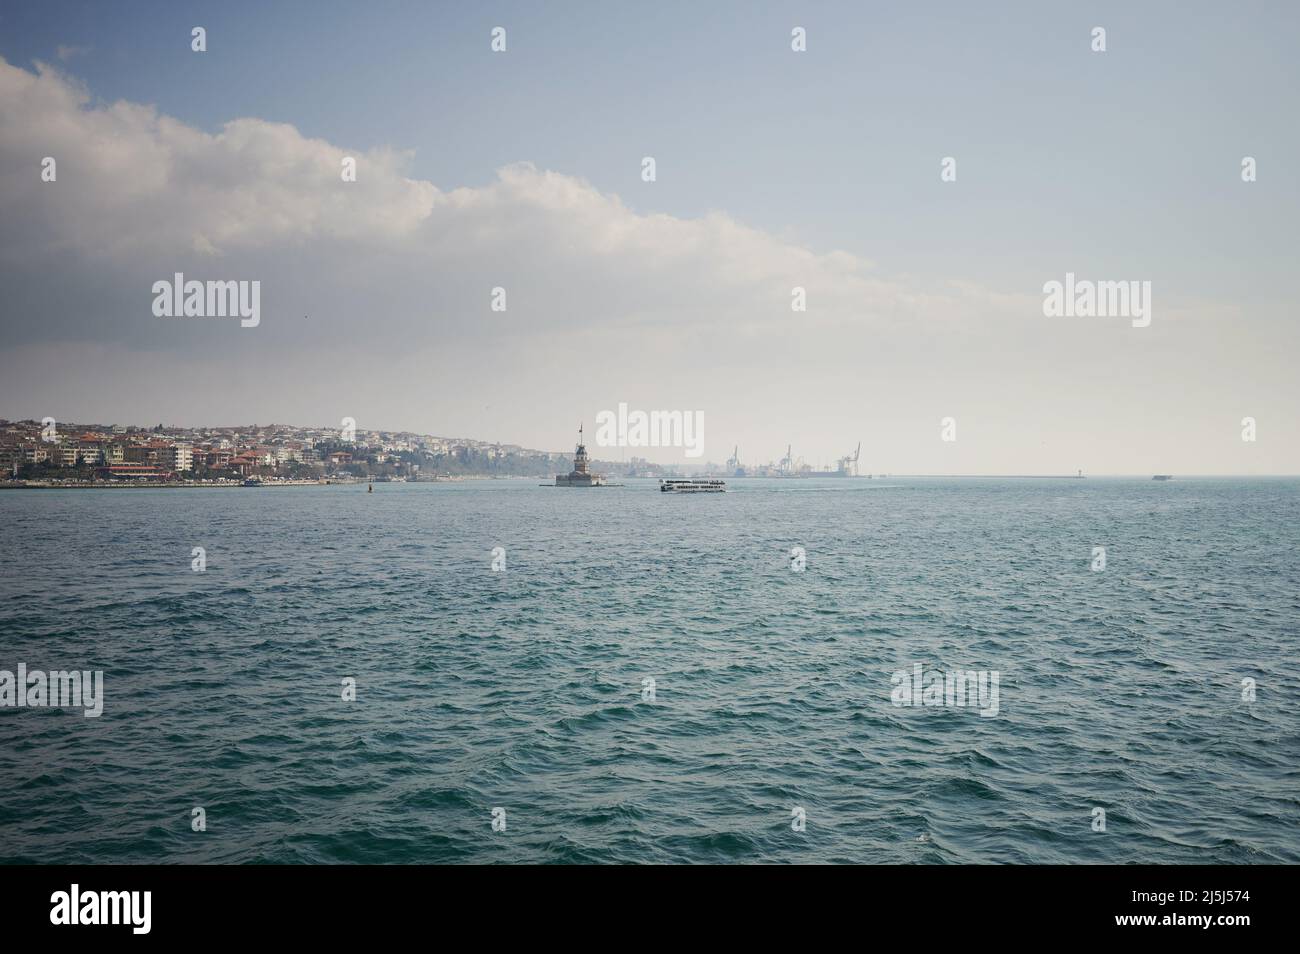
(581, 475)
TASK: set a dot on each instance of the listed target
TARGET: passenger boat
(698, 485)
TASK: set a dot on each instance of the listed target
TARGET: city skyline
(924, 296)
(617, 455)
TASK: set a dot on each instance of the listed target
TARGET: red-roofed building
(245, 463)
(133, 472)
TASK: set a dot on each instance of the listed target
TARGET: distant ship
(580, 476)
(1162, 477)
(847, 466)
(696, 485)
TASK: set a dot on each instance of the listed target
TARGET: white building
(180, 457)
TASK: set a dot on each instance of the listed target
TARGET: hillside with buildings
(50, 450)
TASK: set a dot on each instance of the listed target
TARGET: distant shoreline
(212, 485)
(197, 485)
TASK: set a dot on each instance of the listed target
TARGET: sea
(491, 671)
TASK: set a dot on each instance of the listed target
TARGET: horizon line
(965, 476)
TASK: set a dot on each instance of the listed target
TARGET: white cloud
(375, 295)
(137, 188)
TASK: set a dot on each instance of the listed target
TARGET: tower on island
(581, 475)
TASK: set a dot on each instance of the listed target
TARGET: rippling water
(522, 690)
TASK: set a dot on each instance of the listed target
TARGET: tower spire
(580, 455)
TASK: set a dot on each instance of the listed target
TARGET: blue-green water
(522, 689)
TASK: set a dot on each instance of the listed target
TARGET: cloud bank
(376, 302)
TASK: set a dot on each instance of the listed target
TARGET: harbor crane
(848, 464)
(787, 462)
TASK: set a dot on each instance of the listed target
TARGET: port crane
(787, 462)
(848, 464)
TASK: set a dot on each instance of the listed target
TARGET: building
(89, 454)
(244, 464)
(132, 472)
(63, 455)
(149, 453)
(218, 458)
(178, 457)
(580, 476)
(34, 453)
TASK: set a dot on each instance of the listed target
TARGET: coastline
(157, 485)
(214, 484)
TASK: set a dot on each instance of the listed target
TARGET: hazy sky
(775, 169)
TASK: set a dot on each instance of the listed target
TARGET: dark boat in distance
(1162, 477)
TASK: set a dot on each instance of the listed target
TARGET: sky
(775, 169)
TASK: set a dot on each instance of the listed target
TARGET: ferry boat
(697, 485)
